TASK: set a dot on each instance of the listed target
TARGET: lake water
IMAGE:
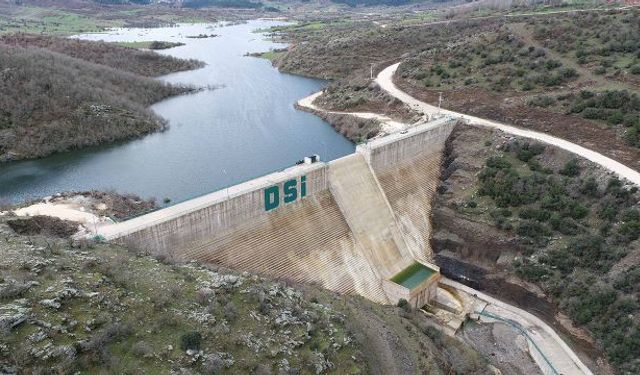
(245, 129)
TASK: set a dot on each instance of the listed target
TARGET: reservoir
(244, 128)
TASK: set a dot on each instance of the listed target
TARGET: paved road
(550, 352)
(385, 80)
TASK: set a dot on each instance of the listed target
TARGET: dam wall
(208, 215)
(408, 169)
(346, 225)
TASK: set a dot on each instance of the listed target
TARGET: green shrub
(589, 187)
(631, 120)
(629, 231)
(498, 162)
(629, 280)
(586, 94)
(404, 305)
(532, 230)
(616, 118)
(190, 340)
(531, 271)
(527, 151)
(592, 304)
(535, 214)
(592, 113)
(571, 168)
(543, 101)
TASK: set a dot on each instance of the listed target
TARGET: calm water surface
(245, 129)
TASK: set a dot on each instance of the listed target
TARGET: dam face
(349, 225)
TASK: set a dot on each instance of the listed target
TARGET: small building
(418, 284)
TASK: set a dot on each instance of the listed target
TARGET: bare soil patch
(43, 225)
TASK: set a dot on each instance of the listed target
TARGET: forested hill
(144, 63)
(60, 94)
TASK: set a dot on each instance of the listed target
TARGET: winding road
(387, 124)
(551, 353)
(385, 80)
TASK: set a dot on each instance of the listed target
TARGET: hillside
(556, 234)
(99, 308)
(144, 63)
(572, 74)
(62, 94)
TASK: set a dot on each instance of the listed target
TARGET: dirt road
(388, 125)
(385, 80)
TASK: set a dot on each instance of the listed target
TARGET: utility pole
(439, 102)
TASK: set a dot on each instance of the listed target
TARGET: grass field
(52, 21)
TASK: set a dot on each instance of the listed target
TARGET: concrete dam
(356, 225)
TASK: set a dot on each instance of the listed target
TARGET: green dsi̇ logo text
(290, 193)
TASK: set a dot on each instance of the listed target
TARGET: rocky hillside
(100, 308)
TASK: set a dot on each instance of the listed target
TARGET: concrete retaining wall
(363, 217)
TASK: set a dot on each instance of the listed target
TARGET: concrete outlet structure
(359, 224)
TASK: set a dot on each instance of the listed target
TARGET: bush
(404, 305)
(531, 271)
(230, 311)
(142, 349)
(616, 118)
(498, 162)
(533, 230)
(629, 280)
(629, 231)
(589, 187)
(592, 304)
(592, 113)
(571, 168)
(527, 151)
(535, 214)
(213, 365)
(190, 340)
(543, 101)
